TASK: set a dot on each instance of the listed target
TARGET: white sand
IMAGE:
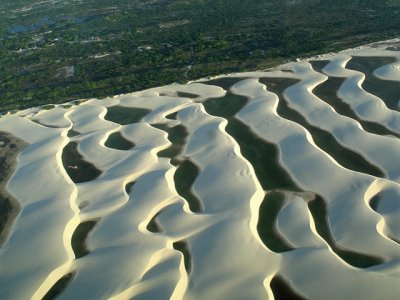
(228, 257)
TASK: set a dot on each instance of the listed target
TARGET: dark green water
(117, 141)
(125, 115)
(323, 139)
(224, 82)
(359, 260)
(388, 91)
(266, 227)
(327, 91)
(77, 168)
(79, 237)
(177, 135)
(184, 178)
(263, 155)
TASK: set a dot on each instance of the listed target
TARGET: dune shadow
(282, 289)
(72, 133)
(183, 247)
(59, 287)
(129, 186)
(172, 116)
(43, 124)
(153, 225)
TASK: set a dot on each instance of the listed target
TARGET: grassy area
(55, 51)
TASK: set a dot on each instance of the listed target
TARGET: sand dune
(246, 186)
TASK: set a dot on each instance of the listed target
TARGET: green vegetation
(55, 51)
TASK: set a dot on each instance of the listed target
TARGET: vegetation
(53, 51)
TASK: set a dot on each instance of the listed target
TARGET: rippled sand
(280, 184)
